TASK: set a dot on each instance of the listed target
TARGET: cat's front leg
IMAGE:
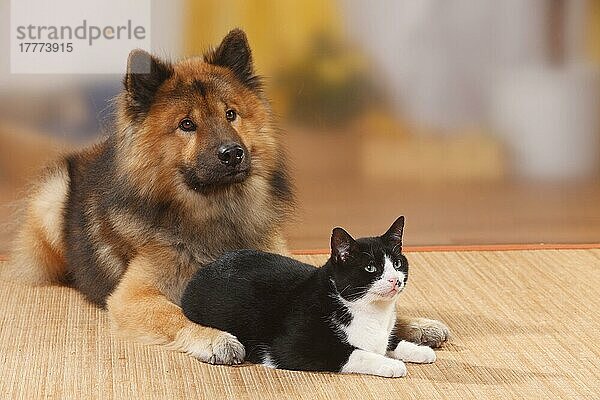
(365, 362)
(411, 352)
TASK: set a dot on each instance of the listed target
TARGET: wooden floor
(332, 191)
(460, 214)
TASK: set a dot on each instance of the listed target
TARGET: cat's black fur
(289, 310)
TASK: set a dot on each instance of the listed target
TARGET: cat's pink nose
(393, 281)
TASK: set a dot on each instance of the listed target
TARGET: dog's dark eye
(231, 115)
(370, 268)
(187, 125)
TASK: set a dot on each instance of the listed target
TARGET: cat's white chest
(371, 326)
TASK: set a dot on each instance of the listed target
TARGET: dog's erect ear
(342, 246)
(145, 74)
(234, 53)
(394, 234)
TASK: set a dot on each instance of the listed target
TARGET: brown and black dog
(194, 168)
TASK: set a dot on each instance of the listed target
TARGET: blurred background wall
(477, 119)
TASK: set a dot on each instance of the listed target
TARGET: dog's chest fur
(201, 237)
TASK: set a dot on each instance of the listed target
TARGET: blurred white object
(550, 120)
(439, 57)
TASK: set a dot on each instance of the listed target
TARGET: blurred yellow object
(341, 68)
(329, 87)
(382, 123)
(280, 32)
(593, 31)
(470, 156)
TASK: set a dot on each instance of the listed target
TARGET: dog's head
(201, 124)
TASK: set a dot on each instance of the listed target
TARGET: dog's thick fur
(128, 221)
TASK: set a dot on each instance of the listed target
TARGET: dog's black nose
(231, 154)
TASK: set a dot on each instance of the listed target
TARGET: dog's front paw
(212, 346)
(411, 352)
(227, 349)
(428, 332)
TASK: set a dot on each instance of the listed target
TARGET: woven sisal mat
(525, 325)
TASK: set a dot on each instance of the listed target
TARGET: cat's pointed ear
(342, 245)
(145, 74)
(394, 234)
(234, 53)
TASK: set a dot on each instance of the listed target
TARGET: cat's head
(373, 268)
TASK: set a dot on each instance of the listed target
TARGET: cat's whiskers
(340, 293)
(359, 291)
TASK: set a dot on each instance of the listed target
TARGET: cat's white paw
(390, 368)
(365, 362)
(411, 352)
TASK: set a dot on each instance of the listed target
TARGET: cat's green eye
(370, 268)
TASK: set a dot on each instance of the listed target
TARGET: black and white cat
(291, 315)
